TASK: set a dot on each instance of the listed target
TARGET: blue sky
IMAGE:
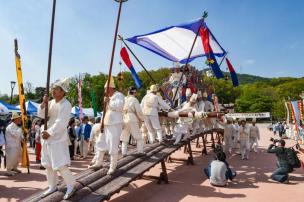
(262, 37)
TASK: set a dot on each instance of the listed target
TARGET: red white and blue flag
(233, 74)
(211, 60)
(174, 43)
(125, 57)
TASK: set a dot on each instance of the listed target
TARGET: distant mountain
(247, 78)
(244, 78)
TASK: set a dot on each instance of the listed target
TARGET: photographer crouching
(281, 173)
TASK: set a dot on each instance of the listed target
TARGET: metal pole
(111, 63)
(49, 63)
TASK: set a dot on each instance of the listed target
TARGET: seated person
(218, 171)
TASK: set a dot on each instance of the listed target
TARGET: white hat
(205, 94)
(15, 115)
(63, 84)
(193, 98)
(111, 85)
(153, 88)
(188, 92)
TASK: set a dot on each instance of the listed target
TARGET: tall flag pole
(205, 15)
(25, 158)
(112, 59)
(79, 86)
(49, 63)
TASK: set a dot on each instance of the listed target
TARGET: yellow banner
(25, 157)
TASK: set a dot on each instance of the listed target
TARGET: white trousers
(109, 141)
(254, 144)
(13, 156)
(153, 126)
(244, 148)
(76, 145)
(84, 146)
(228, 143)
(131, 128)
(66, 174)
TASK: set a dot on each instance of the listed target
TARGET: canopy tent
(31, 107)
(3, 109)
(11, 108)
(174, 42)
(86, 112)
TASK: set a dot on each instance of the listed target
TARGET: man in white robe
(150, 105)
(184, 124)
(244, 139)
(55, 155)
(133, 117)
(113, 123)
(254, 135)
(14, 136)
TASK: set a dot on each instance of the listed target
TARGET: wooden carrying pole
(111, 62)
(49, 64)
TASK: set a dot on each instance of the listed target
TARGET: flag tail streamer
(233, 74)
(125, 57)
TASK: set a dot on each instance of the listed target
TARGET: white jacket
(114, 110)
(13, 135)
(59, 116)
(150, 104)
(132, 110)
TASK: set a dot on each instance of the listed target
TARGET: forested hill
(247, 78)
(255, 93)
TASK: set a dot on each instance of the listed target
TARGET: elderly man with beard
(55, 155)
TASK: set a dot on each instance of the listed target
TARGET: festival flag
(211, 60)
(233, 74)
(295, 113)
(125, 57)
(24, 156)
(79, 85)
(174, 43)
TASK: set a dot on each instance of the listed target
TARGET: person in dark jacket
(281, 173)
(85, 131)
(72, 136)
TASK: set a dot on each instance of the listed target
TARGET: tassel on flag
(234, 77)
(125, 57)
(211, 60)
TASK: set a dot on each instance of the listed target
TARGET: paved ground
(187, 183)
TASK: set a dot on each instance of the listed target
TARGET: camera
(274, 140)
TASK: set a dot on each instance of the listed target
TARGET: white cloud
(249, 61)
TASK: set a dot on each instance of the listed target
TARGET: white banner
(249, 115)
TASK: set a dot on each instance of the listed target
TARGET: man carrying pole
(55, 155)
(113, 122)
